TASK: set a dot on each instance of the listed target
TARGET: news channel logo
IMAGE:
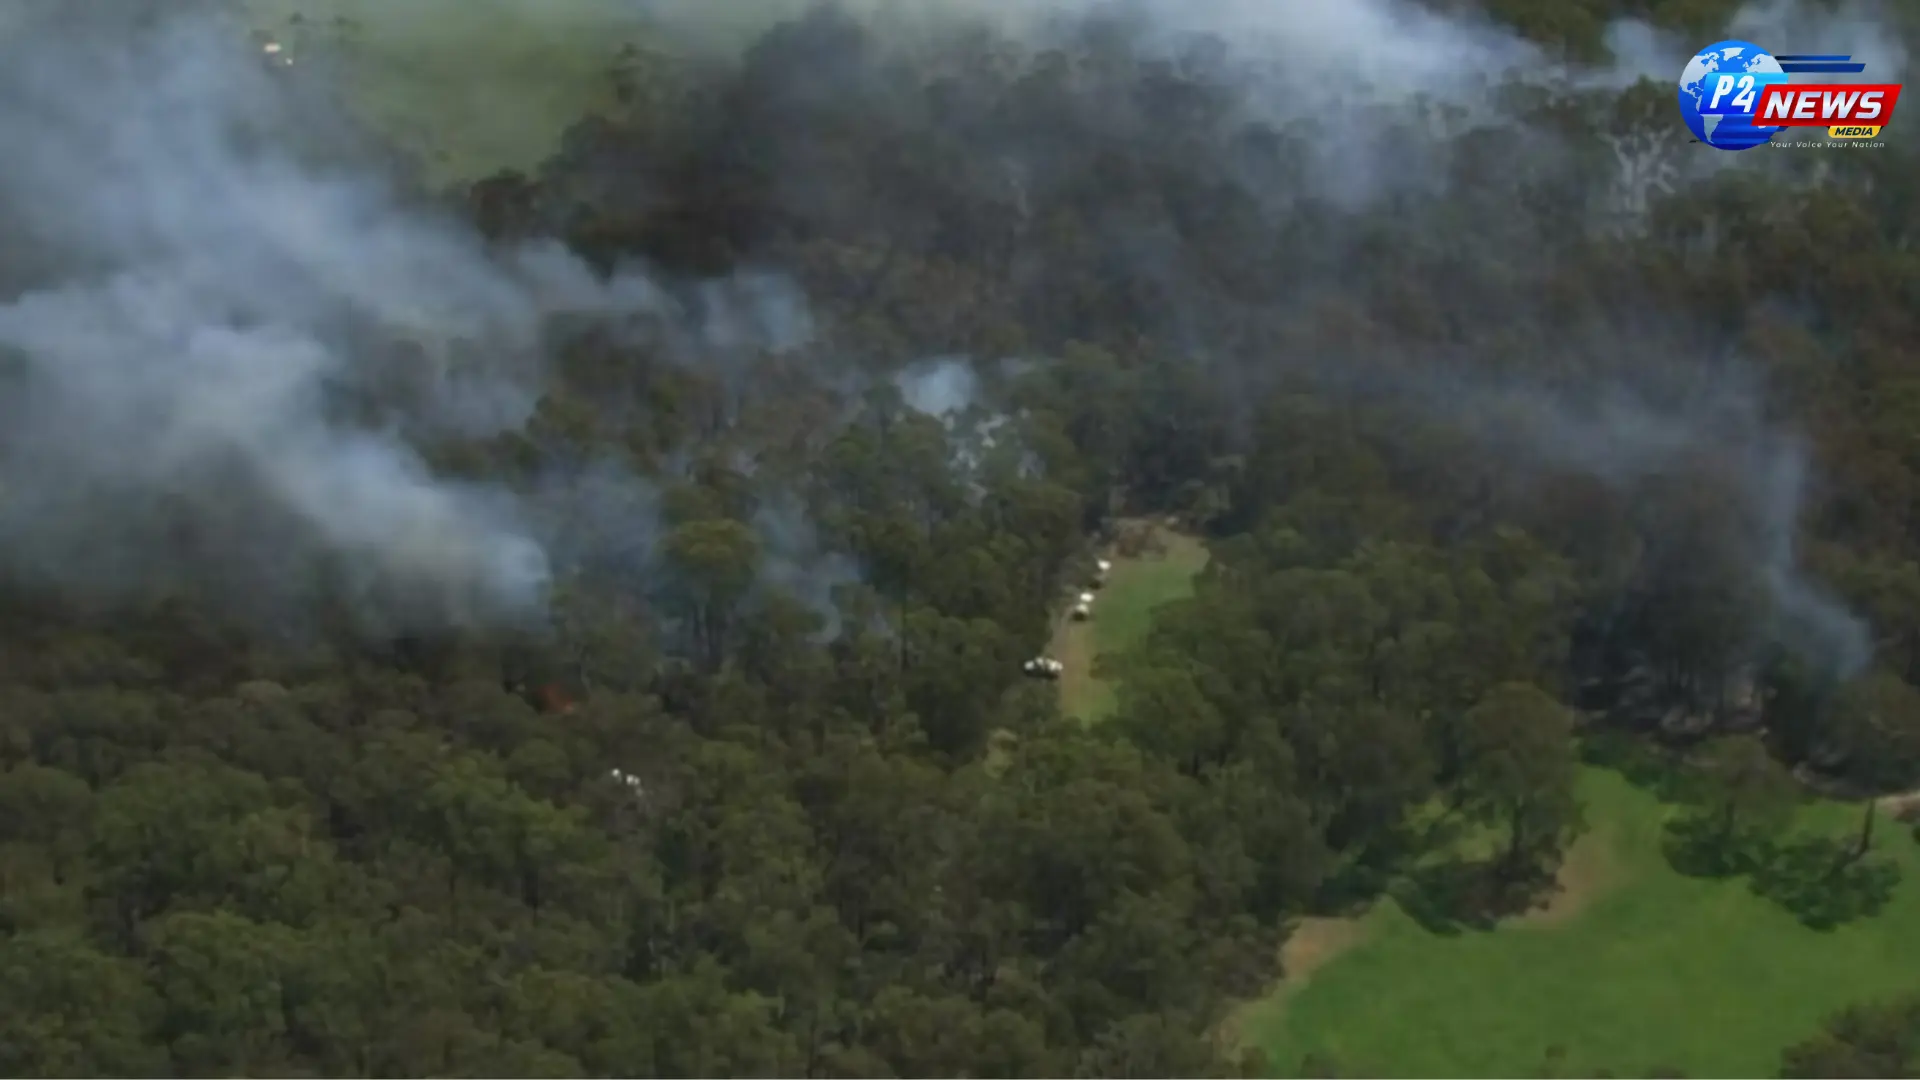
(1735, 96)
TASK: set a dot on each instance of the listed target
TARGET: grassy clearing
(468, 86)
(1634, 967)
(1121, 617)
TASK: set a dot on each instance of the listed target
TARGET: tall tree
(1519, 771)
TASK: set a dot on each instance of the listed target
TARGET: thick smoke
(195, 245)
(1401, 83)
(1386, 84)
(201, 318)
(1404, 46)
(221, 353)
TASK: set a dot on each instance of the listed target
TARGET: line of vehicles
(1045, 667)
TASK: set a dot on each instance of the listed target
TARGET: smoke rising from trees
(230, 346)
(198, 361)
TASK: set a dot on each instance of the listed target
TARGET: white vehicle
(1041, 667)
(1086, 598)
(1102, 565)
(1082, 612)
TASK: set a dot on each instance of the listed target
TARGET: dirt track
(1152, 565)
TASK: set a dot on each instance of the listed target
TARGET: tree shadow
(1371, 875)
(1452, 896)
(1652, 769)
(1825, 883)
(1320, 1066)
(1699, 845)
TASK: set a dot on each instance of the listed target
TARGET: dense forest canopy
(556, 625)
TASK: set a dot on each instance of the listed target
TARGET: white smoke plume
(1396, 79)
(1384, 85)
(938, 388)
(1401, 47)
(219, 351)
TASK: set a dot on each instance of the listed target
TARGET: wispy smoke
(1625, 439)
(1862, 29)
(938, 388)
(797, 561)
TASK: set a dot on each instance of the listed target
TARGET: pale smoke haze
(205, 307)
(209, 309)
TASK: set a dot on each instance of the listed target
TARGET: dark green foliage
(1744, 801)
(229, 852)
(1878, 1040)
(1743, 804)
(1824, 883)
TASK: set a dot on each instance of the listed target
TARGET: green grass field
(1633, 968)
(1642, 969)
(467, 86)
(1121, 617)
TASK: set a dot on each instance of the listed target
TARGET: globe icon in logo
(1720, 112)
